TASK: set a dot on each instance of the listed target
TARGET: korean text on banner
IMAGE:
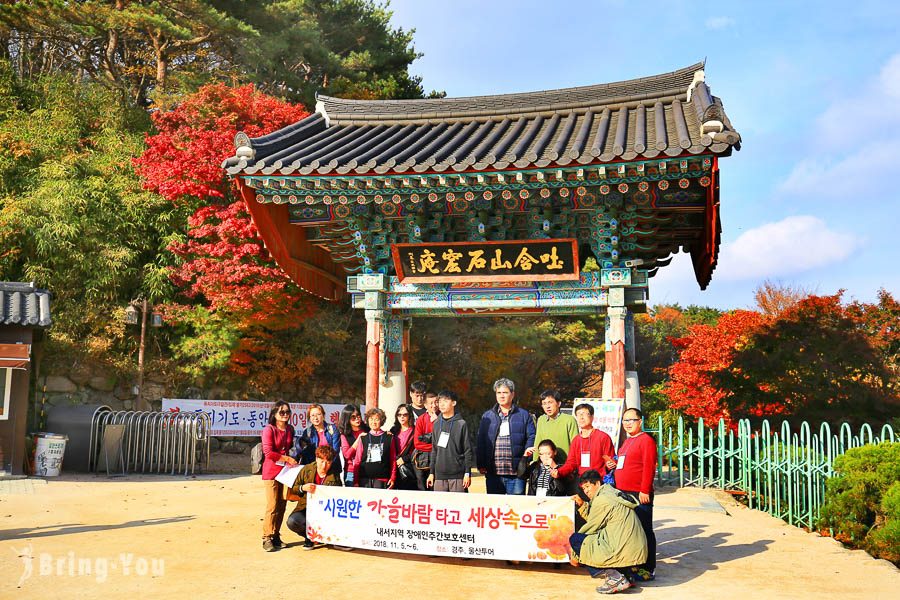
(244, 418)
(443, 524)
(607, 415)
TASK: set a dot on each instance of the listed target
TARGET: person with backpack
(317, 433)
(277, 439)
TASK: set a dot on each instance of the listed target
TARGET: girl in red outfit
(277, 438)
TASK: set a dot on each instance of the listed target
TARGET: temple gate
(491, 205)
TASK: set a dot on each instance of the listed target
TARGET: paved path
(203, 535)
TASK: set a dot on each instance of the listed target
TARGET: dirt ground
(177, 537)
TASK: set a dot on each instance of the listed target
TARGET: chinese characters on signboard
(523, 260)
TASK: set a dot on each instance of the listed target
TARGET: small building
(24, 313)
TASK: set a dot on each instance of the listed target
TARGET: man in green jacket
(612, 536)
(554, 426)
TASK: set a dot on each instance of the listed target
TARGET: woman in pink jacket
(277, 438)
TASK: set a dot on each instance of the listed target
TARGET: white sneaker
(614, 584)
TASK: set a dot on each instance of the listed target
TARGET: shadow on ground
(684, 553)
(70, 528)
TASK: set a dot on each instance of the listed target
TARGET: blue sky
(811, 200)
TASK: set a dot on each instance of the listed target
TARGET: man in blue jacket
(505, 432)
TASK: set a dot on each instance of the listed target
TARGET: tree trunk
(162, 69)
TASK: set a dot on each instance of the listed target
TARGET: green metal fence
(782, 472)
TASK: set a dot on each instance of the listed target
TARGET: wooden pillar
(407, 325)
(373, 356)
(615, 350)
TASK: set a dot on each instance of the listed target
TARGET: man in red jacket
(590, 450)
(635, 469)
(423, 432)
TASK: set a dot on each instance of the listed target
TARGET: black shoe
(308, 545)
(276, 541)
(268, 545)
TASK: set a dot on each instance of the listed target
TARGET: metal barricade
(156, 442)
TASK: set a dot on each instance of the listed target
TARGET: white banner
(443, 523)
(607, 415)
(244, 418)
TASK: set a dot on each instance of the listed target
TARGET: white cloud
(787, 247)
(788, 250)
(857, 175)
(716, 23)
(873, 112)
(855, 141)
(889, 79)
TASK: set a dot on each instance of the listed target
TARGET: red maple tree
(818, 360)
(222, 262)
(881, 323)
(183, 159)
(705, 351)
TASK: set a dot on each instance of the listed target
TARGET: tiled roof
(664, 115)
(23, 304)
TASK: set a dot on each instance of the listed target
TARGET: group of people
(429, 448)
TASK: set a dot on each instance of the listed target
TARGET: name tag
(374, 454)
(585, 460)
(504, 429)
(620, 462)
(540, 492)
(443, 440)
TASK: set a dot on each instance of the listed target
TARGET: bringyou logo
(100, 569)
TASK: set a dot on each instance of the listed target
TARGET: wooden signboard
(511, 260)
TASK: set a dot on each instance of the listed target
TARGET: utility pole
(139, 404)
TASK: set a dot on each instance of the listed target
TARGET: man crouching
(612, 536)
(313, 474)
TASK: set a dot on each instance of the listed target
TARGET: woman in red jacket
(422, 441)
(277, 438)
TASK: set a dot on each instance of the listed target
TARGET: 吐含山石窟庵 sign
(513, 260)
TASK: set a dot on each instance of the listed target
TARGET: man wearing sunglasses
(635, 469)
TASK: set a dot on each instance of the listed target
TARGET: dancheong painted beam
(588, 295)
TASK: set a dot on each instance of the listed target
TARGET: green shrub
(862, 501)
(884, 541)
